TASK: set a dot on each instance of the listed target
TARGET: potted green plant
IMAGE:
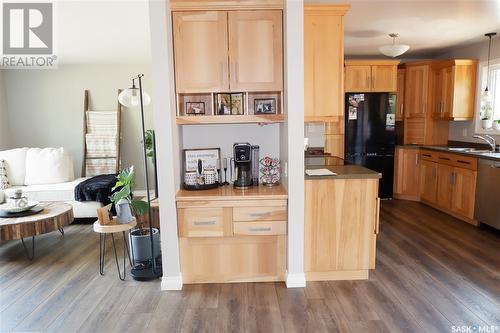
(123, 199)
(496, 125)
(486, 116)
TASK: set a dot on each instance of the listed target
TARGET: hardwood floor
(433, 272)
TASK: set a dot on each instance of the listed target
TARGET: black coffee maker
(242, 165)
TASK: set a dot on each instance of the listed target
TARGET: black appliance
(370, 137)
(242, 165)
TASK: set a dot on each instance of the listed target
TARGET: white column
(167, 137)
(294, 131)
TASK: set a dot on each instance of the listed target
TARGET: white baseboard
(171, 283)
(295, 280)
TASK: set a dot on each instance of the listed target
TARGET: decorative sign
(208, 157)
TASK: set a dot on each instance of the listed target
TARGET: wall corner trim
(171, 283)
(296, 280)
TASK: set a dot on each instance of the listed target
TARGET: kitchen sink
(470, 150)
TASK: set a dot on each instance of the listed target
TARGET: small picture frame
(230, 104)
(195, 108)
(208, 157)
(264, 105)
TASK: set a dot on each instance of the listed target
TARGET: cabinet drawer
(204, 222)
(260, 228)
(429, 155)
(461, 161)
(276, 213)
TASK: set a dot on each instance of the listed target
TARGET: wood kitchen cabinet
(417, 88)
(407, 173)
(448, 183)
(221, 51)
(324, 62)
(371, 75)
(454, 89)
(200, 51)
(255, 50)
(400, 94)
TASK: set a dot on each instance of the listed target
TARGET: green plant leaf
(123, 193)
(140, 207)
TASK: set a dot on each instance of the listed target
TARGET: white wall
(46, 107)
(315, 133)
(4, 117)
(475, 51)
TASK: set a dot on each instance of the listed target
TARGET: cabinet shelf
(237, 119)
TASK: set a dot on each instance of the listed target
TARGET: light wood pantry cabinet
(454, 89)
(417, 86)
(255, 50)
(448, 183)
(229, 235)
(371, 75)
(341, 227)
(407, 173)
(323, 61)
(400, 94)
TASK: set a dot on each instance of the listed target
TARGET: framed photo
(195, 108)
(223, 106)
(208, 157)
(264, 105)
(230, 104)
(237, 104)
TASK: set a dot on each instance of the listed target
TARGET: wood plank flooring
(433, 272)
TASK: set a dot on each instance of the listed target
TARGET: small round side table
(103, 230)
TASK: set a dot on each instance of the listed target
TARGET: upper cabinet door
(384, 78)
(417, 78)
(358, 78)
(255, 50)
(400, 91)
(200, 44)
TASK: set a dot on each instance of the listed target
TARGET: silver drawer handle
(260, 214)
(260, 229)
(204, 222)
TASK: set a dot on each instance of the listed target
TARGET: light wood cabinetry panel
(262, 228)
(428, 180)
(200, 51)
(341, 222)
(384, 78)
(464, 191)
(358, 78)
(255, 50)
(323, 61)
(204, 222)
(260, 213)
(445, 186)
(400, 94)
(407, 173)
(334, 144)
(233, 259)
(417, 89)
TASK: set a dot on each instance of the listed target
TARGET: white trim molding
(171, 282)
(297, 280)
(481, 84)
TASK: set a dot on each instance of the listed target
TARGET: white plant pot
(496, 125)
(487, 123)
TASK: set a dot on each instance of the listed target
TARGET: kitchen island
(341, 223)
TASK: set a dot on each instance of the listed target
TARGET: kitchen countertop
(450, 149)
(344, 172)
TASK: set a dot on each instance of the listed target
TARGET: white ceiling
(429, 27)
(105, 31)
(117, 31)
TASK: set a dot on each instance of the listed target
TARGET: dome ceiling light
(394, 49)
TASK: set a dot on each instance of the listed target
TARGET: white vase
(487, 123)
(123, 211)
(496, 125)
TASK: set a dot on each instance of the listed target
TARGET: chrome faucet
(489, 139)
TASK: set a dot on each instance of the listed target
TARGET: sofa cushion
(48, 166)
(15, 164)
(4, 180)
(49, 192)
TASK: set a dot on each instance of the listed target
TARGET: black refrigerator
(370, 137)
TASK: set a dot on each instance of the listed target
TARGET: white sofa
(46, 174)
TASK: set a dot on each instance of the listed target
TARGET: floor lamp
(132, 98)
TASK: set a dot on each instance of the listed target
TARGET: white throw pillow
(48, 166)
(15, 164)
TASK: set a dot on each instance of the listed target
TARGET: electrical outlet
(464, 132)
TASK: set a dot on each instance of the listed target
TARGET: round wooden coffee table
(55, 216)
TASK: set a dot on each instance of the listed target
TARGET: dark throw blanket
(97, 188)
